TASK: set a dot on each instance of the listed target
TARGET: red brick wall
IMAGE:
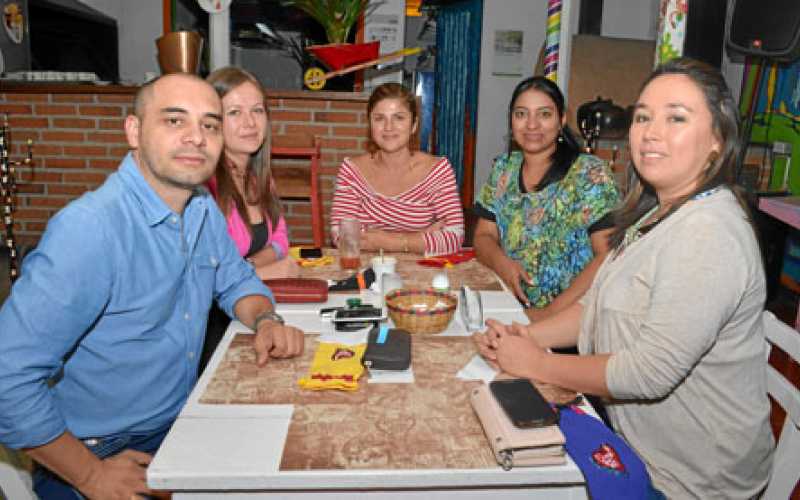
(78, 141)
(339, 120)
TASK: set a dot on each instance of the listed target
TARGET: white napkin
(347, 338)
(391, 376)
(477, 369)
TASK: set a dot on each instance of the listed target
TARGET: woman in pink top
(243, 184)
(244, 190)
(405, 199)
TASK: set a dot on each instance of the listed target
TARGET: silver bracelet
(269, 316)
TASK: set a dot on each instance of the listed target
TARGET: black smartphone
(523, 403)
(358, 314)
(354, 326)
(310, 253)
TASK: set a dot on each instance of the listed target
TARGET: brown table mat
(425, 425)
(471, 273)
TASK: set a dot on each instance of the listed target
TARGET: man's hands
(271, 339)
(120, 477)
(510, 348)
(275, 340)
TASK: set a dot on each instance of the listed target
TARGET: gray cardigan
(680, 312)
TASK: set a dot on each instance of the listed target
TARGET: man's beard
(172, 180)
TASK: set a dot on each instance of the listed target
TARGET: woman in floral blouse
(542, 223)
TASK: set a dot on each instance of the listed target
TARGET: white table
(787, 210)
(237, 449)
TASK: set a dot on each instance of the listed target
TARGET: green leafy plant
(336, 16)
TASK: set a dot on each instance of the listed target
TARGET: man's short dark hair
(145, 92)
(143, 95)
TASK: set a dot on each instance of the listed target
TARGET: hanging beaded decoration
(8, 191)
(633, 233)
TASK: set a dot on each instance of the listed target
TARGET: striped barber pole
(553, 36)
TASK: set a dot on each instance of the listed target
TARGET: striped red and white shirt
(435, 198)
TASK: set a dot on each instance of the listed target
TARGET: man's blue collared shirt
(113, 305)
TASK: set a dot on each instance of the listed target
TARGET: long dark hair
(641, 196)
(258, 188)
(567, 147)
(392, 91)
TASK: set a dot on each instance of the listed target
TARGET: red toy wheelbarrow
(345, 58)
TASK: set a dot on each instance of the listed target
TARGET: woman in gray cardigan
(670, 331)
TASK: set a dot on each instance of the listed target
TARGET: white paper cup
(383, 265)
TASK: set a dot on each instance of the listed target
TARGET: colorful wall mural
(777, 117)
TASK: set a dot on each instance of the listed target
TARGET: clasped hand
(509, 348)
(274, 340)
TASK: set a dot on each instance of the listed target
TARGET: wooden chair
(786, 467)
(301, 183)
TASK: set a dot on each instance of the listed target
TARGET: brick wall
(78, 141)
(339, 119)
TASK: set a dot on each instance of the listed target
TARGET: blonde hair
(258, 189)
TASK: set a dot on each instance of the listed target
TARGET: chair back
(786, 466)
(15, 483)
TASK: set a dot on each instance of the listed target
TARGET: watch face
(214, 6)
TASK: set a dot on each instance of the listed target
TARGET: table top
(241, 447)
(363, 429)
(783, 208)
(254, 438)
(471, 273)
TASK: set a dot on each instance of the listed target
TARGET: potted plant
(336, 16)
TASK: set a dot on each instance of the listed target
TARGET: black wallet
(351, 283)
(387, 349)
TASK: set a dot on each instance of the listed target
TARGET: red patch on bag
(606, 457)
(342, 353)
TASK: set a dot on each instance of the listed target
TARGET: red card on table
(452, 259)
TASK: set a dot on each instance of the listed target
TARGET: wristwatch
(268, 316)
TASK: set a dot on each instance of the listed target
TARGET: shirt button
(174, 219)
(186, 316)
(191, 355)
(213, 261)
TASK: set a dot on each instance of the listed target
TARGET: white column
(386, 22)
(219, 35)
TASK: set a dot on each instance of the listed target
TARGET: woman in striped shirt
(405, 199)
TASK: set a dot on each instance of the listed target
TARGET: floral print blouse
(548, 230)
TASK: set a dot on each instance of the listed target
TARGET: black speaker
(705, 31)
(764, 28)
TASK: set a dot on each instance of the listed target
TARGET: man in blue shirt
(111, 308)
